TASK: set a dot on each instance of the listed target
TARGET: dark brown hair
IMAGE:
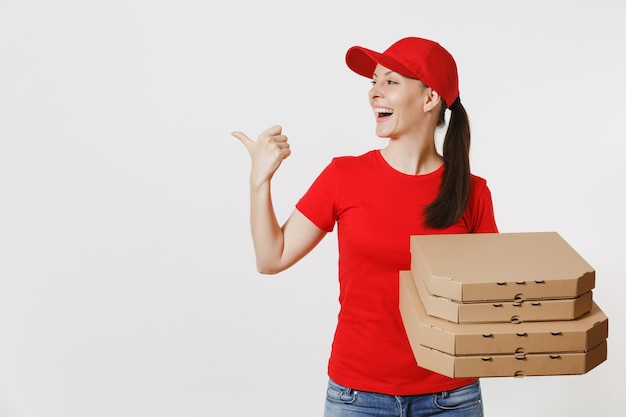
(449, 205)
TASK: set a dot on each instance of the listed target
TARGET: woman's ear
(432, 100)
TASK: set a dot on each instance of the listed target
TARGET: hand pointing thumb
(247, 142)
(267, 152)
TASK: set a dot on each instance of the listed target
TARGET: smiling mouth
(383, 112)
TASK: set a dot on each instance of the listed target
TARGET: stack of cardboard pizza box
(501, 304)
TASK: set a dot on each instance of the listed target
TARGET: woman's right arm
(276, 247)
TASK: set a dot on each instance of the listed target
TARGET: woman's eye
(388, 82)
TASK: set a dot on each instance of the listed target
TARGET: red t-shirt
(377, 209)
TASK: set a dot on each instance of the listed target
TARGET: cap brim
(363, 61)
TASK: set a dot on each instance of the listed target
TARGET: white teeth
(383, 110)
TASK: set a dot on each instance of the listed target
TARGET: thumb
(247, 142)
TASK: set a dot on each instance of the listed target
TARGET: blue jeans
(346, 402)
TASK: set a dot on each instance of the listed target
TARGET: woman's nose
(374, 92)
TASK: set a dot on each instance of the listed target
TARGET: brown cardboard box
(503, 311)
(500, 266)
(570, 363)
(578, 335)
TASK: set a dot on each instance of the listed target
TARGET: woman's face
(398, 103)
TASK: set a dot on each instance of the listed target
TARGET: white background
(127, 280)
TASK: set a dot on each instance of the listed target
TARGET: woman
(378, 200)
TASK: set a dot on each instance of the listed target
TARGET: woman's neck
(412, 157)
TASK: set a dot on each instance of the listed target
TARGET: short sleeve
(319, 203)
(481, 206)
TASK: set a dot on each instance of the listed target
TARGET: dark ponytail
(449, 205)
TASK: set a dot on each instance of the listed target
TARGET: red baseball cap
(412, 57)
